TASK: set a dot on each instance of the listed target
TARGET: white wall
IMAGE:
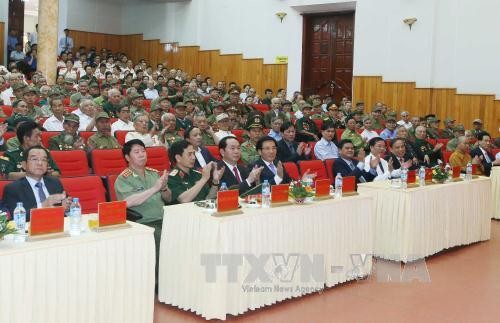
(4, 17)
(94, 15)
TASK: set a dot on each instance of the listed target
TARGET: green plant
(6, 226)
(439, 174)
(299, 190)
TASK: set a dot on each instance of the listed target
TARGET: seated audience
(103, 138)
(399, 157)
(368, 133)
(69, 138)
(273, 170)
(275, 132)
(433, 131)
(203, 156)
(458, 131)
(377, 150)
(169, 134)
(390, 129)
(207, 133)
(87, 115)
(484, 153)
(326, 148)
(352, 135)
(288, 149)
(347, 165)
(123, 123)
(223, 124)
(249, 152)
(55, 122)
(461, 157)
(181, 121)
(141, 132)
(405, 120)
(426, 154)
(306, 128)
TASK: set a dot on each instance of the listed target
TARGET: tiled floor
(464, 287)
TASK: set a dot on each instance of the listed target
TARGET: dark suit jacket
(486, 166)
(395, 162)
(340, 166)
(285, 155)
(20, 191)
(206, 155)
(230, 180)
(268, 174)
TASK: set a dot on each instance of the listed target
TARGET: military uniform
(64, 141)
(355, 137)
(306, 124)
(423, 147)
(433, 133)
(15, 157)
(135, 111)
(207, 139)
(77, 97)
(36, 112)
(447, 133)
(101, 141)
(100, 101)
(248, 152)
(110, 109)
(170, 137)
(337, 124)
(179, 182)
(377, 125)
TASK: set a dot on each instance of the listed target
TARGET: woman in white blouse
(377, 150)
(141, 132)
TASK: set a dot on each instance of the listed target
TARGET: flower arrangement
(439, 174)
(299, 191)
(6, 226)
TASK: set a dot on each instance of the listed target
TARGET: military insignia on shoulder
(174, 172)
(152, 169)
(126, 173)
(4, 158)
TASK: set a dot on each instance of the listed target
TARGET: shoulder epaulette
(152, 169)
(174, 172)
(4, 158)
(126, 173)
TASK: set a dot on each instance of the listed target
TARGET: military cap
(72, 117)
(219, 104)
(53, 92)
(17, 86)
(449, 120)
(459, 127)
(232, 108)
(136, 95)
(180, 105)
(101, 115)
(186, 100)
(254, 122)
(93, 84)
(477, 121)
(392, 114)
(235, 92)
(113, 82)
(391, 118)
(221, 116)
(367, 118)
(378, 109)
(306, 106)
(155, 106)
(69, 80)
(432, 120)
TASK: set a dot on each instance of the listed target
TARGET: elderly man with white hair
(150, 92)
(405, 120)
(169, 134)
(114, 101)
(87, 116)
(149, 138)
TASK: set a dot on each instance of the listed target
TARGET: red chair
(146, 103)
(312, 144)
(111, 187)
(70, 109)
(495, 152)
(46, 135)
(2, 186)
(158, 158)
(239, 134)
(444, 142)
(432, 141)
(89, 189)
(120, 136)
(66, 102)
(446, 156)
(107, 161)
(71, 162)
(261, 107)
(2, 120)
(214, 150)
(319, 123)
(86, 135)
(7, 109)
(314, 166)
(339, 133)
(292, 170)
(329, 169)
(8, 135)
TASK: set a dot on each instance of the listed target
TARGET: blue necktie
(272, 168)
(41, 193)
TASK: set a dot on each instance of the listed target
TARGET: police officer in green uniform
(144, 189)
(306, 128)
(29, 135)
(68, 139)
(103, 138)
(351, 134)
(249, 153)
(187, 184)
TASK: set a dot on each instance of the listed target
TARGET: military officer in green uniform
(351, 134)
(433, 129)
(426, 153)
(448, 131)
(306, 128)
(334, 115)
(187, 184)
(29, 96)
(103, 98)
(103, 138)
(317, 112)
(181, 122)
(249, 153)
(377, 117)
(144, 189)
(68, 139)
(29, 135)
(169, 134)
(458, 131)
(207, 133)
(136, 106)
(477, 125)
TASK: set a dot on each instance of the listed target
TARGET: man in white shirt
(87, 118)
(223, 123)
(33, 39)
(151, 93)
(123, 122)
(66, 42)
(368, 133)
(55, 122)
(326, 148)
(377, 149)
(405, 120)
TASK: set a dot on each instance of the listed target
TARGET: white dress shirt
(199, 157)
(53, 124)
(222, 134)
(407, 125)
(85, 120)
(325, 149)
(486, 156)
(121, 125)
(151, 94)
(271, 166)
(369, 134)
(33, 182)
(382, 168)
(147, 139)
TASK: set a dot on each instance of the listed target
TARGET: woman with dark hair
(384, 169)
(203, 156)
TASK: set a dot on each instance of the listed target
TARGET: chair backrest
(2, 186)
(329, 169)
(111, 187)
(495, 151)
(314, 166)
(158, 158)
(46, 135)
(292, 170)
(312, 144)
(214, 150)
(239, 134)
(89, 189)
(319, 123)
(261, 107)
(339, 133)
(146, 103)
(107, 161)
(7, 109)
(8, 135)
(71, 162)
(120, 136)
(86, 135)
(446, 155)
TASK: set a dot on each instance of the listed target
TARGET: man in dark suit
(483, 151)
(234, 174)
(272, 170)
(35, 190)
(399, 157)
(346, 165)
(288, 149)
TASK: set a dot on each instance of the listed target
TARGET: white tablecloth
(333, 230)
(417, 222)
(495, 189)
(95, 277)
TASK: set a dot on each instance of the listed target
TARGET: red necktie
(236, 174)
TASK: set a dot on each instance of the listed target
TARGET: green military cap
(136, 95)
(477, 121)
(306, 106)
(53, 92)
(391, 118)
(432, 120)
(459, 127)
(69, 80)
(17, 86)
(367, 118)
(15, 103)
(286, 102)
(93, 84)
(392, 114)
(254, 122)
(180, 105)
(72, 117)
(449, 120)
(219, 104)
(378, 109)
(102, 115)
(155, 106)
(186, 100)
(113, 82)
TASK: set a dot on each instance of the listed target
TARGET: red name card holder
(227, 203)
(474, 171)
(349, 186)
(47, 223)
(322, 189)
(428, 176)
(456, 174)
(412, 179)
(279, 195)
(111, 215)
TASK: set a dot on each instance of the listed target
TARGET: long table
(414, 223)
(495, 189)
(95, 277)
(216, 266)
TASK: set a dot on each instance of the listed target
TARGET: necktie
(351, 165)
(272, 168)
(290, 146)
(237, 174)
(41, 193)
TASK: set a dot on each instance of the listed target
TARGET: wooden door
(16, 18)
(328, 55)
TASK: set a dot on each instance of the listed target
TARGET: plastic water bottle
(20, 220)
(404, 177)
(75, 217)
(338, 185)
(266, 194)
(421, 176)
(223, 187)
(468, 172)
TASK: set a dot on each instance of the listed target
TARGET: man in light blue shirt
(275, 129)
(390, 129)
(326, 148)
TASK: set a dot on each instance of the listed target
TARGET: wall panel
(3, 41)
(421, 101)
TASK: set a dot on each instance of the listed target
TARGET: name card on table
(112, 213)
(349, 186)
(227, 202)
(322, 188)
(47, 220)
(428, 174)
(456, 173)
(412, 177)
(279, 194)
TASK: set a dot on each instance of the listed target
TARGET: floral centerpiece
(439, 174)
(299, 191)
(6, 226)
